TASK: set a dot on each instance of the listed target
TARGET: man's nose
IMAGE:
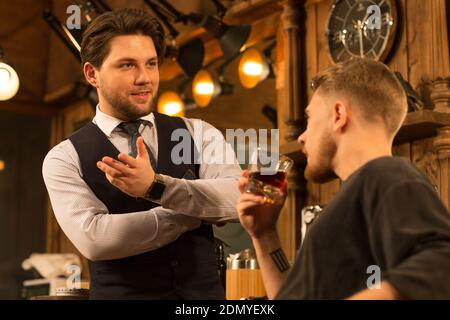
(143, 76)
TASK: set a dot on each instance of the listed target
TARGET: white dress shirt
(99, 235)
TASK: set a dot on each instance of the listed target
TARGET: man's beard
(321, 171)
(125, 108)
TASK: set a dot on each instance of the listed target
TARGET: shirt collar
(108, 123)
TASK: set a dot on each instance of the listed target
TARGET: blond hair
(372, 85)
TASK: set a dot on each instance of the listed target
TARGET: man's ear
(90, 74)
(340, 116)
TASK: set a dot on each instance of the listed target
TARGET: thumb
(141, 149)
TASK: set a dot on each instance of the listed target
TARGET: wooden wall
(23, 145)
(420, 53)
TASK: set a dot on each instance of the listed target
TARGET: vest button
(174, 263)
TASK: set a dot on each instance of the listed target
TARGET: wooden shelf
(421, 124)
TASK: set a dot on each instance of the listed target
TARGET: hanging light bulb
(171, 104)
(253, 68)
(9, 82)
(205, 88)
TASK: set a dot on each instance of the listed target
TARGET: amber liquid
(270, 187)
(277, 180)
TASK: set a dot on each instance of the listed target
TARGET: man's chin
(319, 176)
(141, 109)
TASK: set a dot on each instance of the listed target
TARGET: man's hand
(257, 217)
(132, 176)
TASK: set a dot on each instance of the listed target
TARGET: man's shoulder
(388, 171)
(199, 126)
(63, 152)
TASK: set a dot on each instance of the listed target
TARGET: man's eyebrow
(127, 59)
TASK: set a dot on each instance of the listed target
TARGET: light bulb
(171, 104)
(204, 88)
(9, 82)
(172, 108)
(252, 68)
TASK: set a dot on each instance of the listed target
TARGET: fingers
(116, 182)
(128, 160)
(115, 174)
(119, 166)
(243, 181)
(247, 201)
(141, 149)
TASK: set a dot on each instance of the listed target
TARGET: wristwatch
(156, 189)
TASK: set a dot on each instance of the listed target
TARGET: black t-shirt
(387, 215)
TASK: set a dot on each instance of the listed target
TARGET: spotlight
(9, 80)
(190, 55)
(231, 38)
(170, 103)
(254, 67)
(205, 88)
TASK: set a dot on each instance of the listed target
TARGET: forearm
(273, 278)
(212, 200)
(103, 236)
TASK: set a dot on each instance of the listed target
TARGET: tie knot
(131, 127)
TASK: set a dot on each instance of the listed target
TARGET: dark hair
(371, 84)
(95, 45)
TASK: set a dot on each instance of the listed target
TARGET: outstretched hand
(132, 176)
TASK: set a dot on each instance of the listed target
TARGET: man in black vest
(138, 211)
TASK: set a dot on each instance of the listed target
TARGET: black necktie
(132, 128)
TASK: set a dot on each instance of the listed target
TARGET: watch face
(361, 28)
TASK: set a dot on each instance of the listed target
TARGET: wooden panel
(398, 58)
(22, 196)
(62, 126)
(428, 55)
(244, 283)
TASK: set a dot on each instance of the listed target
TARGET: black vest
(186, 268)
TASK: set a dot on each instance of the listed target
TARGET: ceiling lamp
(253, 68)
(231, 37)
(171, 104)
(190, 55)
(205, 88)
(9, 80)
